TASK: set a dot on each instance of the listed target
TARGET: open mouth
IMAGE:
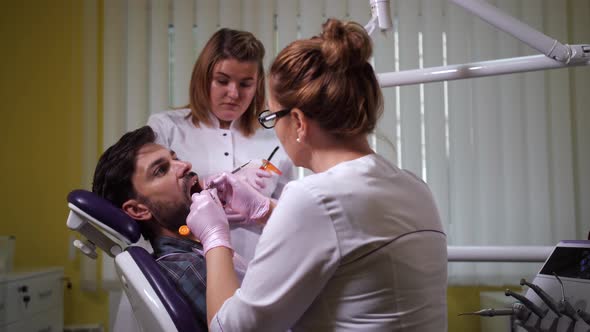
(195, 186)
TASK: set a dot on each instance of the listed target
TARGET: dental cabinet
(32, 301)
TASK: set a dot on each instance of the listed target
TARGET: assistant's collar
(233, 126)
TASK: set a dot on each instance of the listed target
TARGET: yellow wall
(40, 150)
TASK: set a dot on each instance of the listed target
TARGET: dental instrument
(218, 179)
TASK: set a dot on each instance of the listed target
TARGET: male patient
(153, 187)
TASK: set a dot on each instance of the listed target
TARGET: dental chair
(156, 303)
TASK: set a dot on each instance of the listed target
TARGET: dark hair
(227, 44)
(329, 79)
(115, 168)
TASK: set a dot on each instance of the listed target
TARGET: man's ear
(137, 210)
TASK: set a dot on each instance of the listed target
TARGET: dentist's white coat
(359, 247)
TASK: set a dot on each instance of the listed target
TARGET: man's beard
(171, 215)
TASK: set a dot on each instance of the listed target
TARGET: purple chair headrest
(176, 305)
(105, 212)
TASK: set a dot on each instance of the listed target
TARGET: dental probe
(489, 312)
(218, 179)
(239, 168)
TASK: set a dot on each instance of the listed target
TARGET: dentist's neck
(328, 153)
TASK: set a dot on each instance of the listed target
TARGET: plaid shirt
(183, 261)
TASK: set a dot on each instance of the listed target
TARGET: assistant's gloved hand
(241, 197)
(255, 177)
(234, 217)
(207, 220)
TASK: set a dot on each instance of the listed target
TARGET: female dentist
(218, 131)
(358, 245)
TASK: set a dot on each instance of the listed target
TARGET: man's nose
(182, 168)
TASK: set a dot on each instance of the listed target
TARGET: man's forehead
(151, 147)
(149, 153)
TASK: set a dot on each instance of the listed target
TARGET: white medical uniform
(212, 150)
(359, 247)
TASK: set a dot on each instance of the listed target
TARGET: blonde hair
(226, 44)
(329, 79)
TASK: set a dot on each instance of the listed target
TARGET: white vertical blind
(504, 156)
(435, 122)
(115, 59)
(537, 137)
(410, 114)
(114, 89)
(337, 8)
(486, 131)
(207, 13)
(463, 225)
(230, 14)
(265, 29)
(581, 116)
(357, 11)
(138, 68)
(184, 57)
(250, 15)
(511, 142)
(384, 60)
(311, 17)
(158, 59)
(560, 131)
(287, 29)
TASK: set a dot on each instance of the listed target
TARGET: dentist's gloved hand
(241, 197)
(207, 221)
(255, 177)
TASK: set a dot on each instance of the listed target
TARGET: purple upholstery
(177, 306)
(105, 212)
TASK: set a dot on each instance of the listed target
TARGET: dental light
(554, 54)
(380, 16)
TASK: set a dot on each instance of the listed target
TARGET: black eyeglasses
(269, 119)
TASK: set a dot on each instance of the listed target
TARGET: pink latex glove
(255, 177)
(207, 220)
(234, 217)
(240, 197)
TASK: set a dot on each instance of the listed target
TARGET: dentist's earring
(298, 140)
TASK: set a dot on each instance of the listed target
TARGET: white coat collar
(233, 126)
